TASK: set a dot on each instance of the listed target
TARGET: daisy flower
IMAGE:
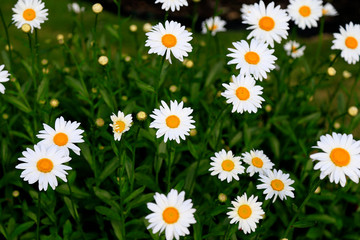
(245, 10)
(75, 7)
(276, 183)
(226, 165)
(172, 4)
(256, 59)
(64, 136)
(258, 162)
(243, 94)
(174, 122)
(43, 165)
(305, 13)
(32, 12)
(268, 23)
(120, 124)
(293, 49)
(348, 42)
(340, 158)
(4, 77)
(214, 25)
(329, 10)
(173, 38)
(246, 212)
(172, 214)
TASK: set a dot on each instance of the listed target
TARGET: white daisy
(172, 214)
(268, 23)
(246, 10)
(226, 165)
(75, 7)
(120, 124)
(348, 42)
(246, 212)
(305, 13)
(258, 162)
(214, 25)
(255, 59)
(32, 12)
(243, 94)
(293, 49)
(64, 136)
(4, 77)
(174, 122)
(43, 165)
(276, 183)
(172, 4)
(171, 39)
(341, 158)
(329, 10)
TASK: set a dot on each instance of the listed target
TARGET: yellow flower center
(171, 215)
(277, 184)
(351, 42)
(169, 40)
(340, 157)
(324, 11)
(213, 27)
(45, 165)
(29, 14)
(242, 93)
(257, 162)
(119, 126)
(172, 121)
(267, 23)
(227, 165)
(305, 11)
(293, 49)
(252, 58)
(244, 211)
(61, 139)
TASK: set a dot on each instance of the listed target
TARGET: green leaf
(215, 69)
(320, 218)
(109, 169)
(42, 89)
(20, 229)
(107, 99)
(72, 208)
(110, 213)
(134, 194)
(303, 224)
(193, 150)
(17, 103)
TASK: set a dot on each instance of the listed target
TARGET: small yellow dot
(133, 28)
(124, 98)
(141, 116)
(97, 8)
(222, 197)
(127, 59)
(331, 71)
(94, 90)
(60, 38)
(347, 74)
(54, 103)
(173, 88)
(317, 190)
(332, 57)
(147, 27)
(184, 99)
(15, 193)
(268, 108)
(5, 116)
(353, 111)
(193, 132)
(26, 28)
(44, 61)
(337, 125)
(99, 122)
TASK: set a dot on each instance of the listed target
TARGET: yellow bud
(26, 28)
(337, 125)
(15, 193)
(44, 61)
(353, 111)
(193, 132)
(268, 108)
(93, 90)
(60, 38)
(103, 60)
(222, 197)
(54, 103)
(5, 116)
(133, 28)
(347, 74)
(97, 8)
(124, 98)
(173, 88)
(99, 122)
(147, 27)
(317, 190)
(184, 99)
(141, 116)
(331, 71)
(127, 59)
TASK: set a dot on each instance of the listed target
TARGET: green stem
(76, 216)
(321, 33)
(170, 162)
(7, 39)
(121, 173)
(38, 217)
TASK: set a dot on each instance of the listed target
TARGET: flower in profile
(255, 59)
(348, 42)
(75, 7)
(32, 12)
(173, 38)
(276, 183)
(226, 165)
(214, 25)
(64, 136)
(120, 124)
(172, 214)
(245, 10)
(268, 23)
(258, 162)
(173, 123)
(305, 13)
(329, 10)
(340, 158)
(246, 212)
(172, 4)
(43, 165)
(293, 49)
(4, 77)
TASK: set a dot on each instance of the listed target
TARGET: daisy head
(348, 41)
(172, 214)
(4, 77)
(340, 157)
(258, 162)
(305, 13)
(64, 136)
(243, 94)
(329, 10)
(293, 49)
(268, 23)
(43, 165)
(214, 25)
(246, 212)
(172, 4)
(75, 7)
(173, 122)
(32, 12)
(226, 165)
(120, 124)
(255, 59)
(245, 10)
(173, 38)
(276, 183)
